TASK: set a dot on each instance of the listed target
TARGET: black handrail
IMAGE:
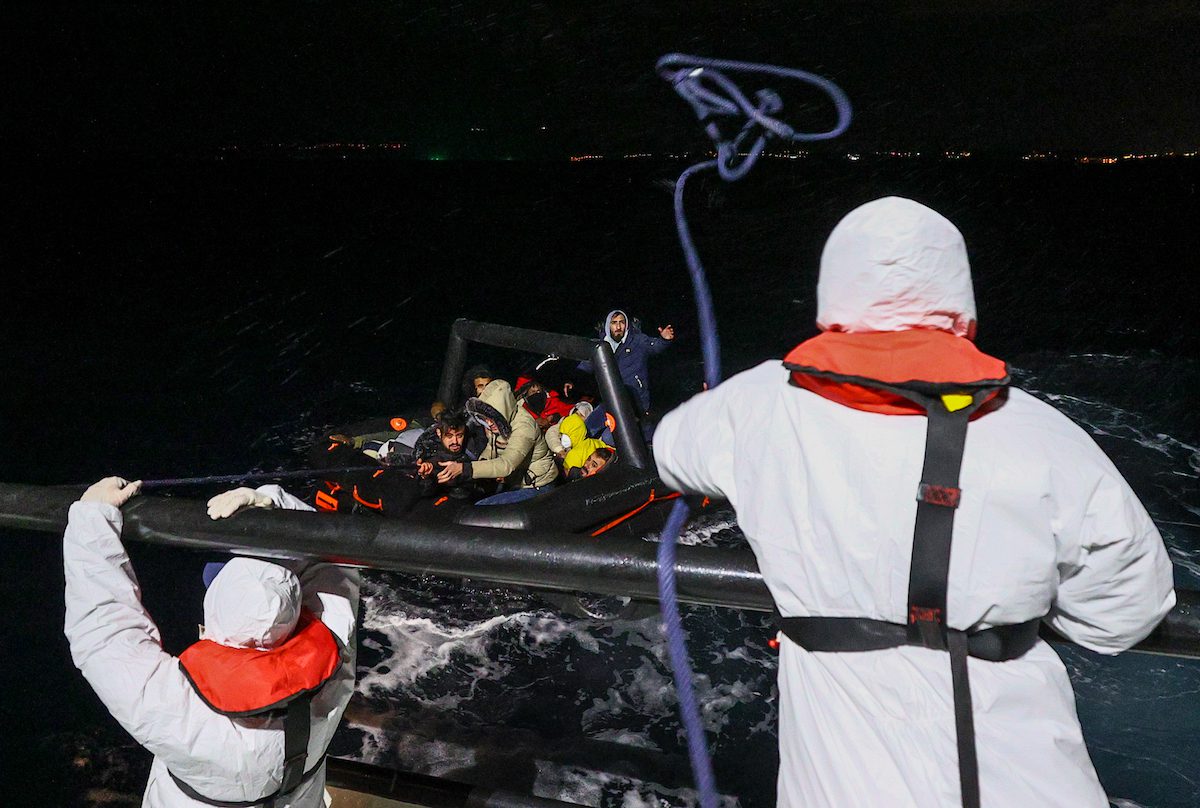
(563, 562)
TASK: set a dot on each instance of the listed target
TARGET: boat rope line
(255, 476)
(653, 498)
(718, 100)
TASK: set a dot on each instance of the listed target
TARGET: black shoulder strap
(297, 727)
(938, 497)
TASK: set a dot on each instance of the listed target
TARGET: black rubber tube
(453, 367)
(564, 562)
(524, 339)
(631, 445)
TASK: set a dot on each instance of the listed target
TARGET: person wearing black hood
(475, 379)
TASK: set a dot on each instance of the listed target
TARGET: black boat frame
(623, 486)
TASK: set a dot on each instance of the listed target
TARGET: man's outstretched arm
(663, 341)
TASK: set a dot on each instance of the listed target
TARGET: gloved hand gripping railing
(716, 100)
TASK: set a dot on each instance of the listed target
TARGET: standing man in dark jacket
(633, 350)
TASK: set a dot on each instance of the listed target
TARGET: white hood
(892, 265)
(251, 604)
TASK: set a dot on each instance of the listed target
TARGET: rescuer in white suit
(1043, 526)
(219, 717)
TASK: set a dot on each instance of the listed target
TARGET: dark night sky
(938, 74)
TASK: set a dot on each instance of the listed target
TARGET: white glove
(227, 504)
(114, 491)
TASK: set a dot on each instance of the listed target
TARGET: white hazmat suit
(250, 604)
(825, 494)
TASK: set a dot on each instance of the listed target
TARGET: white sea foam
(625, 737)
(707, 529)
(418, 645)
(584, 786)
(416, 642)
(541, 632)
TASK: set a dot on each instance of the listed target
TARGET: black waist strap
(297, 726)
(265, 802)
(861, 634)
(850, 634)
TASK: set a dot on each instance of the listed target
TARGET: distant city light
(345, 149)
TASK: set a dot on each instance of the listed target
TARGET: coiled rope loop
(714, 96)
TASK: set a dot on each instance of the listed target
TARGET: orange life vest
(868, 371)
(248, 681)
(240, 682)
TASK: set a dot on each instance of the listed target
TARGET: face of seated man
(595, 461)
(452, 438)
(481, 382)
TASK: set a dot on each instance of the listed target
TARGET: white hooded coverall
(116, 645)
(826, 497)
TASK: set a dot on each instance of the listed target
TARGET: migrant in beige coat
(523, 459)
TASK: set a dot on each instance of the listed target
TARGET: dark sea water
(177, 317)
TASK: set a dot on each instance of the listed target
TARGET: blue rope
(681, 668)
(714, 96)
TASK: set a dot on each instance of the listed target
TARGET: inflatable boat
(620, 498)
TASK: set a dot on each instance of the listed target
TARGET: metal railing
(563, 562)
